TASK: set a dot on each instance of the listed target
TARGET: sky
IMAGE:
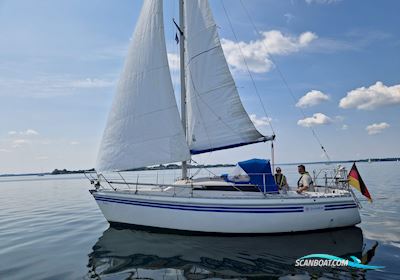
(328, 65)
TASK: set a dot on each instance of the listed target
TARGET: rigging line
(248, 69)
(285, 81)
(204, 160)
(204, 168)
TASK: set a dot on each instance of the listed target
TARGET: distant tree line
(65, 171)
(177, 166)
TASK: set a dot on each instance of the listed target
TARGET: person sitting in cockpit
(280, 180)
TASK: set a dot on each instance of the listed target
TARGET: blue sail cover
(257, 169)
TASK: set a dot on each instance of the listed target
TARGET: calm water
(51, 228)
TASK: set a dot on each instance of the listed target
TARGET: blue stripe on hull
(287, 209)
(331, 207)
(292, 209)
(200, 206)
(337, 205)
(339, 208)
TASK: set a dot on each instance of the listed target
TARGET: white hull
(242, 215)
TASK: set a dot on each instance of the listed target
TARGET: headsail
(143, 126)
(216, 117)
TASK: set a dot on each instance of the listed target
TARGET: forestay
(216, 117)
(144, 127)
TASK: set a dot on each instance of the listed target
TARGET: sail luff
(216, 117)
(144, 127)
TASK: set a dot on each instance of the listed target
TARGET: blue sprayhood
(259, 172)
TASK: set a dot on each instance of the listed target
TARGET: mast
(182, 72)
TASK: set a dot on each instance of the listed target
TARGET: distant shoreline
(177, 166)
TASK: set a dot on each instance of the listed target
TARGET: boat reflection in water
(134, 254)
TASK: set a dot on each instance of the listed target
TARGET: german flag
(357, 182)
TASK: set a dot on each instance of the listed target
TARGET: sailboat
(145, 128)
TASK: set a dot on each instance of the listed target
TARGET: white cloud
(74, 143)
(375, 96)
(4, 151)
(262, 121)
(312, 98)
(173, 60)
(31, 132)
(377, 128)
(256, 53)
(345, 127)
(50, 86)
(91, 83)
(322, 1)
(316, 119)
(19, 142)
(27, 132)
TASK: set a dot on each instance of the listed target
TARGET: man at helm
(305, 182)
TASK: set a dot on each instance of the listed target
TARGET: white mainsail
(216, 117)
(144, 127)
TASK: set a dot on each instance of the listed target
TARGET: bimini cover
(259, 171)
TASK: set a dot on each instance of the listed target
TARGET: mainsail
(216, 117)
(144, 127)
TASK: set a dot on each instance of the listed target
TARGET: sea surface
(51, 228)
